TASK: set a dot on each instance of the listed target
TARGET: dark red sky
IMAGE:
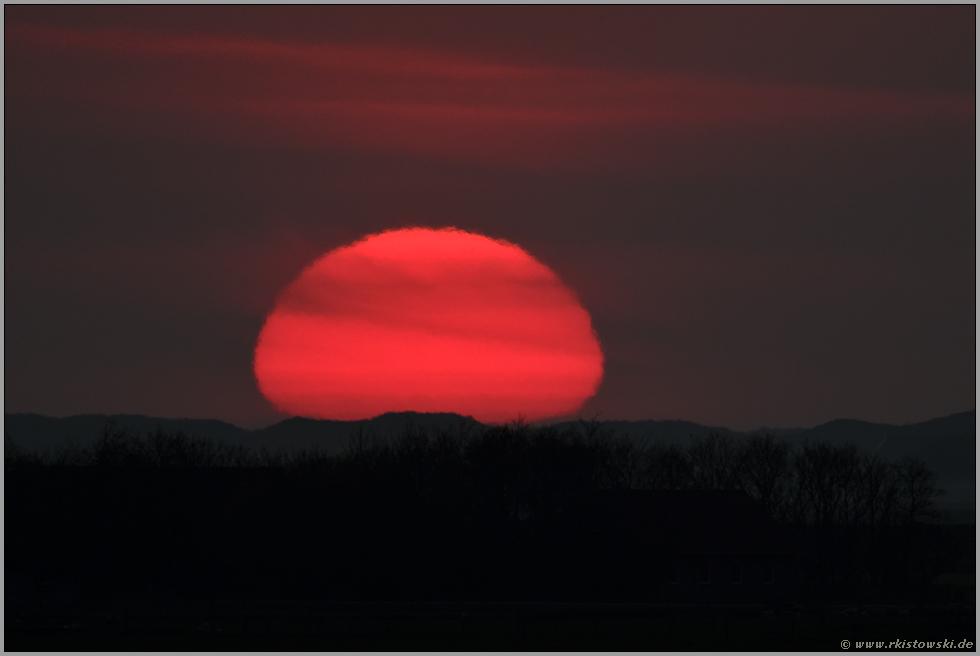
(769, 211)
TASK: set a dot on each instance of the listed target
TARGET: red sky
(769, 211)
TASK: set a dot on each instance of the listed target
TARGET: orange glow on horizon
(431, 321)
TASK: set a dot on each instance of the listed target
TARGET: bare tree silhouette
(766, 472)
(916, 490)
(716, 462)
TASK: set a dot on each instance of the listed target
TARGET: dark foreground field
(511, 538)
(255, 626)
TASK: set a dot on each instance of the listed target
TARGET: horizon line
(539, 423)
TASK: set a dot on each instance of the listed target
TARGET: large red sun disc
(430, 321)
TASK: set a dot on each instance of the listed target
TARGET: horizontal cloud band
(408, 100)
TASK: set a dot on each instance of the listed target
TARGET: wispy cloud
(408, 100)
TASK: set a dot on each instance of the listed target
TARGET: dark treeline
(499, 513)
(817, 483)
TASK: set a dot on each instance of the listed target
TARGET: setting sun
(431, 321)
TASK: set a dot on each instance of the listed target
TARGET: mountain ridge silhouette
(947, 444)
(75, 426)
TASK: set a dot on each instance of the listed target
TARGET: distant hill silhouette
(947, 445)
(35, 432)
(668, 431)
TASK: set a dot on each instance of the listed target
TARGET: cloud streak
(385, 99)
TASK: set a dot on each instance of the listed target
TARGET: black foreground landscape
(476, 537)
